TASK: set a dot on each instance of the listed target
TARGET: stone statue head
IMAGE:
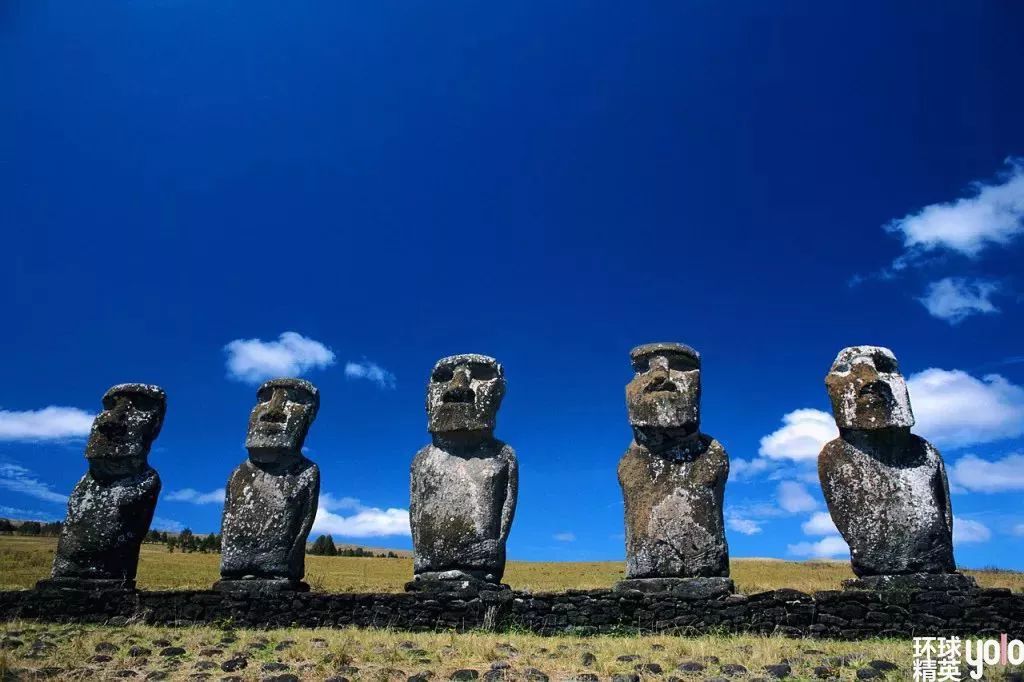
(867, 389)
(464, 394)
(278, 424)
(665, 391)
(126, 428)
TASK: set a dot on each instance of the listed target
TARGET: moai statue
(673, 480)
(886, 488)
(110, 509)
(464, 484)
(271, 498)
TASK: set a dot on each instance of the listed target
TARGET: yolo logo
(942, 659)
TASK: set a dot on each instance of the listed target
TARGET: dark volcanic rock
(778, 671)
(111, 507)
(886, 488)
(464, 485)
(234, 664)
(271, 498)
(464, 674)
(672, 476)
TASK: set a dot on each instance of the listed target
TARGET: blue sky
(182, 182)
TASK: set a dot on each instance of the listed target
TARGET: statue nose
(113, 422)
(458, 390)
(275, 409)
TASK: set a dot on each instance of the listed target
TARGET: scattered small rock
(733, 669)
(778, 671)
(284, 677)
(157, 675)
(273, 667)
(627, 658)
(465, 674)
(205, 665)
(233, 664)
(584, 677)
(823, 672)
(126, 673)
(172, 651)
(161, 642)
(691, 667)
(101, 658)
(649, 669)
(285, 645)
(139, 651)
(107, 648)
(883, 666)
(869, 674)
(534, 675)
(587, 659)
(626, 677)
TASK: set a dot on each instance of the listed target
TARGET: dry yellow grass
(24, 560)
(314, 654)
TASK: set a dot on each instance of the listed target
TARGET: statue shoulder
(506, 453)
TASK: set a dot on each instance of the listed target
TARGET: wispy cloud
(49, 423)
(794, 498)
(827, 547)
(370, 371)
(18, 514)
(973, 474)
(992, 215)
(565, 537)
(160, 523)
(954, 299)
(17, 478)
(253, 360)
(967, 531)
(193, 496)
(954, 409)
(364, 522)
(742, 525)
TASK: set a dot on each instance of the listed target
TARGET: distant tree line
(324, 546)
(188, 542)
(36, 528)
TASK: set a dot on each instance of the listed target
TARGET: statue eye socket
(146, 403)
(442, 375)
(483, 372)
(884, 364)
(682, 364)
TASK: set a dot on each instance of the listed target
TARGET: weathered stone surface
(886, 488)
(852, 614)
(937, 582)
(111, 507)
(464, 485)
(691, 588)
(672, 476)
(271, 499)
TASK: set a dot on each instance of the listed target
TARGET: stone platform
(839, 614)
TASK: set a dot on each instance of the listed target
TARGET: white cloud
(253, 360)
(820, 523)
(195, 497)
(744, 469)
(1018, 530)
(565, 537)
(994, 215)
(370, 371)
(366, 522)
(801, 438)
(49, 423)
(954, 299)
(830, 546)
(21, 480)
(160, 523)
(974, 474)
(18, 514)
(794, 498)
(332, 503)
(742, 525)
(967, 531)
(954, 409)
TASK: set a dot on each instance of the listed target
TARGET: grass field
(74, 652)
(24, 560)
(30, 650)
